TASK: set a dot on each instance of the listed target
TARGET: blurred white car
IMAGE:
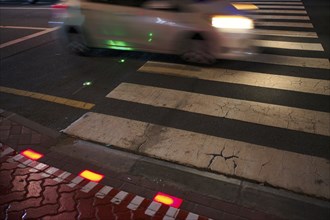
(200, 31)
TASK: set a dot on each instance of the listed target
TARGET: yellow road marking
(49, 98)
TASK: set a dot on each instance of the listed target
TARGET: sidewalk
(50, 188)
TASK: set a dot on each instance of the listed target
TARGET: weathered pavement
(50, 188)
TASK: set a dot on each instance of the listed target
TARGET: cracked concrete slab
(260, 113)
(288, 170)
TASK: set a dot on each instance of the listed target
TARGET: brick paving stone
(15, 215)
(50, 195)
(24, 204)
(9, 166)
(22, 171)
(37, 176)
(33, 213)
(105, 212)
(19, 183)
(13, 196)
(139, 215)
(66, 189)
(34, 189)
(67, 202)
(51, 182)
(5, 181)
(86, 209)
(62, 216)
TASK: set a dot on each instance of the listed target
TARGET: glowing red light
(95, 177)
(31, 154)
(168, 200)
(60, 6)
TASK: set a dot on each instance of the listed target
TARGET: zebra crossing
(264, 118)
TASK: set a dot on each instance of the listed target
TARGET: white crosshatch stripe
(171, 213)
(62, 176)
(258, 79)
(281, 6)
(192, 216)
(288, 45)
(75, 181)
(153, 208)
(38, 167)
(18, 157)
(49, 171)
(270, 3)
(25, 163)
(281, 33)
(7, 151)
(88, 187)
(280, 17)
(103, 192)
(265, 11)
(135, 203)
(284, 24)
(119, 197)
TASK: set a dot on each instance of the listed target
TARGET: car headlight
(232, 22)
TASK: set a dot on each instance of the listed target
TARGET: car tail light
(60, 6)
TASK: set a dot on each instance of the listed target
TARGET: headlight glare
(232, 22)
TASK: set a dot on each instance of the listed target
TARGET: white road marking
(62, 176)
(318, 63)
(25, 163)
(265, 80)
(171, 213)
(271, 3)
(18, 157)
(49, 171)
(75, 181)
(119, 197)
(254, 112)
(280, 17)
(22, 27)
(288, 45)
(19, 40)
(103, 192)
(39, 166)
(192, 216)
(135, 203)
(281, 6)
(6, 152)
(88, 187)
(284, 24)
(260, 163)
(279, 11)
(152, 208)
(302, 34)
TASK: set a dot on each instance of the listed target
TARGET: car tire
(197, 52)
(76, 42)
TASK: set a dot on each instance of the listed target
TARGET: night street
(243, 138)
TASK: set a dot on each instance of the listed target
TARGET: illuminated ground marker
(168, 200)
(32, 154)
(92, 176)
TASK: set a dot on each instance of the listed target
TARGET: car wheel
(77, 43)
(197, 52)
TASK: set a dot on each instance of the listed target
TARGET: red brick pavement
(32, 190)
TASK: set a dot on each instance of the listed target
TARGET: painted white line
(288, 45)
(18, 157)
(62, 176)
(135, 203)
(119, 197)
(19, 40)
(7, 151)
(25, 163)
(281, 6)
(103, 192)
(75, 181)
(38, 167)
(280, 17)
(254, 112)
(318, 63)
(171, 213)
(282, 33)
(257, 162)
(49, 171)
(279, 11)
(192, 216)
(272, 3)
(88, 187)
(284, 24)
(22, 27)
(152, 208)
(264, 80)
